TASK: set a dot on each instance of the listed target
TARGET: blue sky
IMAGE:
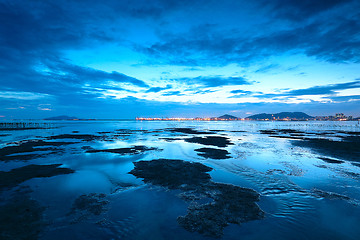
(122, 59)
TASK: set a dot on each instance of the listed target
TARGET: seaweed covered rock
(21, 218)
(232, 204)
(217, 141)
(348, 149)
(84, 137)
(188, 131)
(88, 205)
(22, 174)
(129, 150)
(224, 203)
(29, 146)
(171, 173)
(93, 203)
(213, 153)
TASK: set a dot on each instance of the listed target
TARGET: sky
(165, 58)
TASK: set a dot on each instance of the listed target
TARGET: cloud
(298, 10)
(267, 68)
(240, 91)
(22, 95)
(158, 89)
(345, 98)
(173, 93)
(316, 90)
(214, 81)
(33, 36)
(332, 38)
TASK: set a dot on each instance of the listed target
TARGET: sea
(306, 191)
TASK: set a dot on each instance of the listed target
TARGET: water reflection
(288, 177)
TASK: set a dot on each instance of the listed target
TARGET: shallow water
(303, 197)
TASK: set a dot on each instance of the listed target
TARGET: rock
(187, 131)
(210, 140)
(213, 153)
(21, 218)
(130, 150)
(93, 203)
(227, 203)
(171, 173)
(22, 174)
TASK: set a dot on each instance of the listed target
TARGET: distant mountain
(282, 115)
(63, 117)
(227, 116)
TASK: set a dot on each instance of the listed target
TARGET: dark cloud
(203, 91)
(300, 9)
(214, 81)
(333, 38)
(173, 93)
(240, 91)
(33, 35)
(316, 90)
(158, 89)
(267, 68)
(345, 98)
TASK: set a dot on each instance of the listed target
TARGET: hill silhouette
(282, 115)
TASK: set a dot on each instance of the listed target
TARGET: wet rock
(129, 150)
(27, 147)
(210, 140)
(287, 137)
(348, 132)
(170, 139)
(225, 203)
(351, 139)
(350, 174)
(285, 131)
(187, 131)
(22, 174)
(84, 137)
(213, 153)
(88, 205)
(297, 134)
(330, 160)
(356, 164)
(274, 171)
(268, 132)
(321, 166)
(172, 174)
(231, 204)
(347, 150)
(93, 203)
(124, 131)
(281, 131)
(21, 218)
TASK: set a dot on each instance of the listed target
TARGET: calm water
(285, 175)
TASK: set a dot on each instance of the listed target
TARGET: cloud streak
(214, 81)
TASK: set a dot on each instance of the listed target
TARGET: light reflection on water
(283, 174)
